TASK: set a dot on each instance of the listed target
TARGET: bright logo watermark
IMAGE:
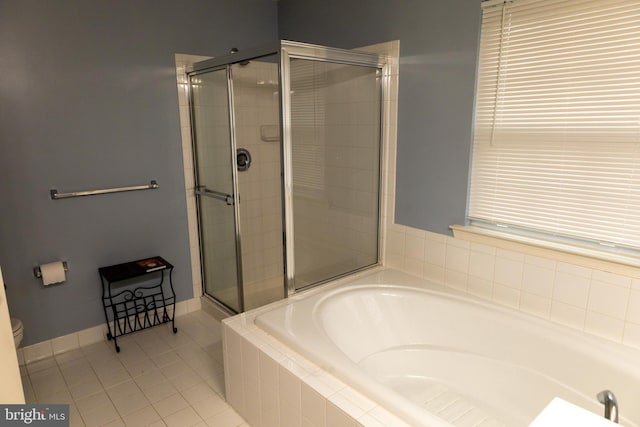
(36, 415)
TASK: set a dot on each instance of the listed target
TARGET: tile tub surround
(577, 292)
(270, 385)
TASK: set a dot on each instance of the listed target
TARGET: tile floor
(157, 379)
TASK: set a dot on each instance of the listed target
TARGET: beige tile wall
(257, 115)
(589, 299)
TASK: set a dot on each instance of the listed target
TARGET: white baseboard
(58, 345)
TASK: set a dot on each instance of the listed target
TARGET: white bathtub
(438, 359)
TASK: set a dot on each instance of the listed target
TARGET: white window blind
(307, 113)
(557, 120)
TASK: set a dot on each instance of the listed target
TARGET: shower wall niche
(287, 169)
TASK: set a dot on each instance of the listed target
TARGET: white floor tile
(209, 408)
(198, 392)
(186, 417)
(127, 388)
(127, 405)
(60, 396)
(114, 378)
(160, 392)
(131, 353)
(48, 386)
(29, 393)
(75, 419)
(115, 423)
(142, 417)
(106, 364)
(164, 359)
(139, 368)
(155, 347)
(158, 379)
(150, 379)
(170, 405)
(215, 351)
(227, 418)
(77, 372)
(176, 369)
(179, 340)
(41, 365)
(216, 383)
(45, 375)
(69, 356)
(100, 416)
(185, 381)
(93, 402)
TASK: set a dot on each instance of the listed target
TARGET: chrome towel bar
(55, 195)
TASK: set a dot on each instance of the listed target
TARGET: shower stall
(287, 149)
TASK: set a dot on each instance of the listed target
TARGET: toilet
(16, 326)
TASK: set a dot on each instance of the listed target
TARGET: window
(557, 120)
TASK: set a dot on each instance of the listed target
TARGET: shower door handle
(227, 198)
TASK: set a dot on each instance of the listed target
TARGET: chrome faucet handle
(608, 399)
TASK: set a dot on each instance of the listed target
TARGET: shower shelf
(129, 308)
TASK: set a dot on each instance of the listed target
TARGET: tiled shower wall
(255, 87)
(589, 299)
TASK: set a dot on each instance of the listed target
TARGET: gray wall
(88, 100)
(438, 49)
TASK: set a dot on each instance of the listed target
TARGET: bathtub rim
(377, 277)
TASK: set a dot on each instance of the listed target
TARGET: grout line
(192, 328)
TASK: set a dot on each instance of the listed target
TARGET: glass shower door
(287, 151)
(215, 187)
(335, 158)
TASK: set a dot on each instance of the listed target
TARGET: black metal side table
(129, 309)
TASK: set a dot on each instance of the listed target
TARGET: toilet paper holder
(38, 273)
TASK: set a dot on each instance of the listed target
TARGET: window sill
(583, 256)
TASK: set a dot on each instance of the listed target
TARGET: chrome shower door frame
(284, 52)
(294, 50)
(234, 172)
